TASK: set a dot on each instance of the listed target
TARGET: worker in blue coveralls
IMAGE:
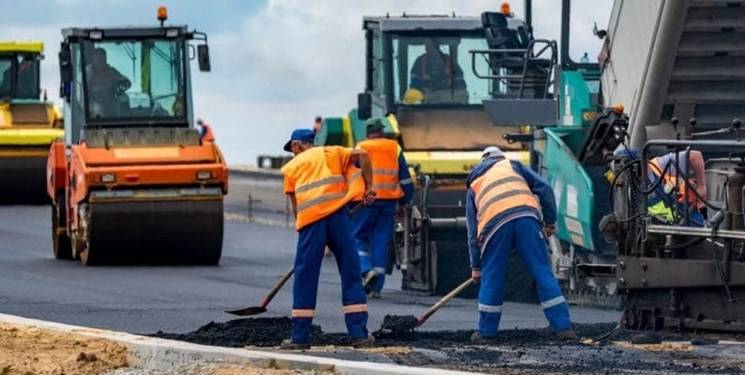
(373, 224)
(316, 182)
(510, 207)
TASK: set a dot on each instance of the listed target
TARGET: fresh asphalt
(180, 299)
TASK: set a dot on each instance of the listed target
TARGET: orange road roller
(137, 180)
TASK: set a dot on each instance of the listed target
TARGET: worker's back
(317, 178)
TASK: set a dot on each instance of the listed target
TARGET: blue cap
(304, 135)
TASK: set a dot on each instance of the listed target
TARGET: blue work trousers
(524, 235)
(373, 228)
(334, 231)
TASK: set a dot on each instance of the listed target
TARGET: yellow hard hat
(413, 96)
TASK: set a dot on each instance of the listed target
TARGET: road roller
(137, 180)
(29, 123)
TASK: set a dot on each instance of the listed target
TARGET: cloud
(276, 64)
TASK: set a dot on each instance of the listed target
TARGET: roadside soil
(28, 350)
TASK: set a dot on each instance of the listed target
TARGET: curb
(155, 353)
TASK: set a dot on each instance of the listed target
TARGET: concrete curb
(155, 353)
(254, 172)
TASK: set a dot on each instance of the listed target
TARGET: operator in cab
(316, 182)
(106, 85)
(510, 207)
(373, 224)
(671, 193)
(437, 76)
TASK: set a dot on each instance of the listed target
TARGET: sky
(276, 64)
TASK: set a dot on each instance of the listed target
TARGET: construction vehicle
(134, 181)
(443, 127)
(676, 67)
(28, 123)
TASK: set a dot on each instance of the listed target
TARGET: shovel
(403, 323)
(256, 310)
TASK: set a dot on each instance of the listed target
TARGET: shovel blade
(400, 323)
(248, 311)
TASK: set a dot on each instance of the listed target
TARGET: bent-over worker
(316, 184)
(503, 212)
(373, 224)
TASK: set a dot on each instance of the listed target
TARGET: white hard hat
(492, 152)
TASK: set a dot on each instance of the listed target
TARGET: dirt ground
(33, 351)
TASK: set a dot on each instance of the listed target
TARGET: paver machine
(28, 123)
(630, 227)
(135, 180)
(436, 99)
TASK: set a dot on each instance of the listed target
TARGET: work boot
(366, 342)
(567, 335)
(373, 295)
(476, 338)
(291, 345)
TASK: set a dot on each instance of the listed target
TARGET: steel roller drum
(23, 180)
(155, 228)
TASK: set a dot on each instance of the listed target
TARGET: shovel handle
(443, 301)
(355, 208)
(269, 296)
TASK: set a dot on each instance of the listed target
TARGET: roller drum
(152, 231)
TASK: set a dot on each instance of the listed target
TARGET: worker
(373, 225)
(107, 85)
(670, 199)
(671, 193)
(437, 76)
(317, 124)
(506, 204)
(316, 184)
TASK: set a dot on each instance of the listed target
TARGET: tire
(61, 244)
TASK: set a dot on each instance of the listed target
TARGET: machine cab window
(134, 79)
(435, 69)
(19, 76)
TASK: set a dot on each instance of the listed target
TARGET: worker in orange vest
(373, 224)
(510, 207)
(316, 182)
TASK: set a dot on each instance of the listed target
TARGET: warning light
(618, 108)
(162, 14)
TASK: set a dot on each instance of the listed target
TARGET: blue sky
(275, 63)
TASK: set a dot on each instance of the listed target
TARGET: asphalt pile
(261, 332)
(266, 332)
(518, 351)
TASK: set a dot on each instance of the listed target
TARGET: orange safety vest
(672, 182)
(384, 159)
(498, 190)
(320, 184)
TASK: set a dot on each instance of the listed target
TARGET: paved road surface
(180, 299)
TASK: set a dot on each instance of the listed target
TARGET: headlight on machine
(204, 175)
(108, 177)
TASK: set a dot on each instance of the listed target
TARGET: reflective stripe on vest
(383, 155)
(499, 189)
(356, 185)
(320, 184)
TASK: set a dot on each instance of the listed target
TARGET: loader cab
(124, 78)
(19, 70)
